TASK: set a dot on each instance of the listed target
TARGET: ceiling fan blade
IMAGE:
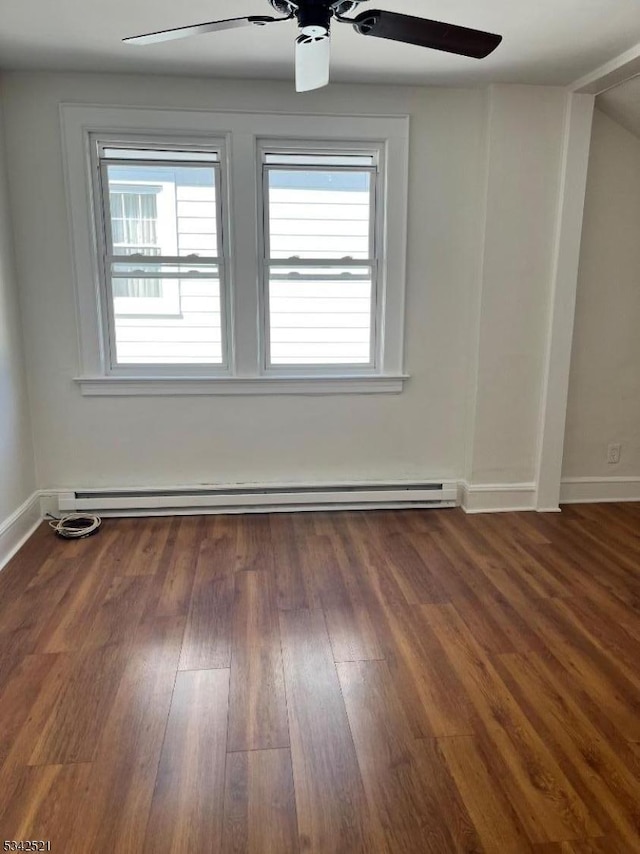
(312, 62)
(200, 29)
(425, 33)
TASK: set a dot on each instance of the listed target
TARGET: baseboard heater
(259, 499)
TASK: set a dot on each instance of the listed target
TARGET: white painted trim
(593, 490)
(17, 528)
(109, 386)
(570, 213)
(612, 73)
(497, 497)
(474, 323)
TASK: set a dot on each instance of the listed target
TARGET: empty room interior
(320, 427)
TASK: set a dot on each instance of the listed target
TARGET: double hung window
(236, 253)
(162, 266)
(320, 265)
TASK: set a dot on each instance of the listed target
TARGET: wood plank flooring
(418, 681)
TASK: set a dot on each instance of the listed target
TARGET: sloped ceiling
(622, 104)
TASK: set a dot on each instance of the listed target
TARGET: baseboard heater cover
(257, 499)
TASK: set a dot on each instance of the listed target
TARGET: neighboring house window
(243, 253)
(134, 228)
(321, 258)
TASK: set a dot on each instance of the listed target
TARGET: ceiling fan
(314, 24)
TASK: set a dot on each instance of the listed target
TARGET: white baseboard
(497, 497)
(593, 490)
(17, 528)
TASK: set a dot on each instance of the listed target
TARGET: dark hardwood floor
(418, 681)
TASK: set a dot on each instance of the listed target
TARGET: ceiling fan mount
(313, 42)
(310, 8)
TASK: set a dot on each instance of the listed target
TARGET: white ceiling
(623, 104)
(545, 41)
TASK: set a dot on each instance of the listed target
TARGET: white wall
(604, 390)
(215, 439)
(479, 263)
(17, 478)
(524, 147)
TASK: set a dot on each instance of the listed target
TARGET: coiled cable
(75, 525)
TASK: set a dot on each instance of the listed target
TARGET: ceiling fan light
(312, 62)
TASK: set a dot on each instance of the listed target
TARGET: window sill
(110, 386)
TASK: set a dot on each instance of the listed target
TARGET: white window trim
(241, 133)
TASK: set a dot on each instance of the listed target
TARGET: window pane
(163, 210)
(320, 316)
(148, 288)
(319, 213)
(179, 324)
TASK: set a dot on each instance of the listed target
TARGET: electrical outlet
(613, 454)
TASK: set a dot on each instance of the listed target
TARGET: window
(134, 228)
(162, 255)
(233, 253)
(320, 263)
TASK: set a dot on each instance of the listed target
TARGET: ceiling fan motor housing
(314, 18)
